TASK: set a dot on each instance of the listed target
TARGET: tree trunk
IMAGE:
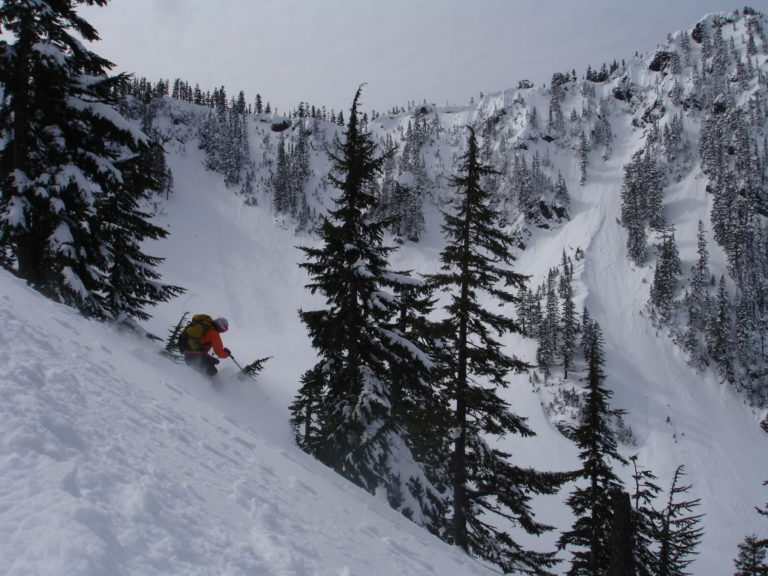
(460, 504)
(26, 253)
(621, 539)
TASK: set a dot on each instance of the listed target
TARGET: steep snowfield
(677, 416)
(117, 462)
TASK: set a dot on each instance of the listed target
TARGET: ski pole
(235, 361)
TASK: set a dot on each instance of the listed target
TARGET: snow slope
(677, 416)
(118, 462)
(115, 461)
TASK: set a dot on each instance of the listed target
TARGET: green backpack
(189, 339)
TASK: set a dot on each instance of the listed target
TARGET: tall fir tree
(556, 123)
(583, 156)
(71, 167)
(697, 296)
(407, 209)
(590, 535)
(719, 333)
(642, 193)
(568, 315)
(668, 268)
(548, 334)
(477, 259)
(281, 199)
(632, 209)
(418, 406)
(679, 530)
(123, 224)
(299, 171)
(751, 559)
(562, 200)
(344, 414)
(698, 302)
(644, 518)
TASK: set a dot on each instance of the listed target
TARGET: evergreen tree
(237, 148)
(556, 123)
(281, 199)
(719, 333)
(407, 201)
(305, 408)
(562, 200)
(71, 166)
(641, 201)
(632, 212)
(677, 152)
(644, 518)
(668, 268)
(533, 118)
(583, 154)
(389, 184)
(697, 308)
(587, 332)
(240, 106)
(485, 483)
(679, 530)
(133, 282)
(603, 129)
(698, 302)
(299, 171)
(223, 136)
(292, 171)
(424, 413)
(548, 340)
(751, 560)
(751, 46)
(345, 412)
(568, 316)
(590, 535)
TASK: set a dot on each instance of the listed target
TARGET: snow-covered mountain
(116, 461)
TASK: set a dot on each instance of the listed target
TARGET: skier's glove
(228, 351)
(216, 360)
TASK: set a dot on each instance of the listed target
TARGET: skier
(202, 334)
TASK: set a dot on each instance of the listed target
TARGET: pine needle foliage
(346, 411)
(477, 259)
(73, 172)
(590, 535)
(679, 530)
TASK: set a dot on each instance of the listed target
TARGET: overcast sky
(319, 51)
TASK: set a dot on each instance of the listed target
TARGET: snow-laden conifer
(485, 483)
(347, 411)
(71, 219)
(590, 536)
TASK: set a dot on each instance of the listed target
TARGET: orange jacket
(211, 339)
